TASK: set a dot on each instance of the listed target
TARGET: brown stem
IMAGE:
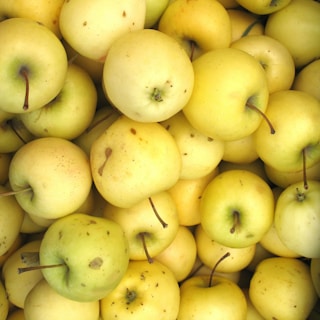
(164, 224)
(143, 240)
(236, 221)
(215, 267)
(13, 193)
(24, 74)
(304, 169)
(193, 46)
(33, 268)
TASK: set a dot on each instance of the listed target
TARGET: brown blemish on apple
(133, 131)
(107, 152)
(96, 263)
(84, 23)
(124, 14)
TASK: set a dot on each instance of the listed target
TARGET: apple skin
(94, 252)
(263, 7)
(231, 201)
(315, 273)
(45, 62)
(154, 11)
(4, 302)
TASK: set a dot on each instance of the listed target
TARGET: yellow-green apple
(147, 290)
(308, 80)
(129, 158)
(29, 226)
(198, 26)
(46, 173)
(210, 251)
(4, 302)
(219, 299)
(44, 301)
(274, 57)
(44, 11)
(295, 144)
(291, 20)
(90, 256)
(315, 273)
(244, 23)
(200, 154)
(230, 93)
(252, 313)
(69, 114)
(17, 243)
(5, 159)
(237, 208)
(154, 11)
(286, 281)
(103, 118)
(90, 27)
(19, 285)
(297, 218)
(150, 225)
(11, 217)
(263, 7)
(147, 75)
(180, 255)
(186, 194)
(33, 65)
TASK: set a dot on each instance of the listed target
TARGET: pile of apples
(160, 159)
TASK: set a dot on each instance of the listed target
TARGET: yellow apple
(252, 313)
(18, 242)
(263, 7)
(4, 302)
(154, 11)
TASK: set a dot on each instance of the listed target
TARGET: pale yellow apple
(198, 26)
(29, 226)
(181, 254)
(252, 313)
(274, 57)
(263, 7)
(154, 11)
(18, 242)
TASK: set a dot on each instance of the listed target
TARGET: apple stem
(13, 193)
(164, 224)
(156, 95)
(236, 221)
(33, 268)
(253, 107)
(304, 169)
(24, 74)
(193, 46)
(215, 267)
(142, 237)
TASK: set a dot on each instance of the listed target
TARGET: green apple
(200, 154)
(237, 208)
(11, 217)
(129, 159)
(69, 114)
(90, 27)
(295, 144)
(33, 65)
(43, 301)
(297, 218)
(46, 173)
(230, 89)
(286, 281)
(198, 26)
(274, 57)
(263, 7)
(90, 256)
(150, 225)
(315, 273)
(147, 75)
(209, 252)
(180, 255)
(221, 299)
(146, 291)
(300, 35)
(154, 11)
(4, 302)
(19, 285)
(308, 80)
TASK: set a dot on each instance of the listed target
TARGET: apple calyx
(130, 296)
(193, 45)
(24, 73)
(227, 254)
(164, 224)
(13, 193)
(300, 196)
(156, 95)
(236, 221)
(142, 236)
(253, 107)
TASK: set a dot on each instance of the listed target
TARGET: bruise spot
(133, 131)
(96, 263)
(84, 23)
(124, 14)
(107, 153)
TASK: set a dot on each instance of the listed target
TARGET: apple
(147, 76)
(229, 4)
(209, 252)
(237, 208)
(230, 93)
(35, 73)
(90, 27)
(69, 114)
(29, 226)
(295, 144)
(263, 7)
(150, 225)
(129, 159)
(46, 173)
(19, 285)
(147, 290)
(315, 273)
(297, 218)
(200, 154)
(154, 11)
(300, 35)
(252, 313)
(274, 57)
(308, 80)
(198, 26)
(88, 256)
(286, 281)
(260, 254)
(4, 302)
(18, 242)
(180, 255)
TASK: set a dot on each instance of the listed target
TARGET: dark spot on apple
(84, 23)
(157, 285)
(83, 285)
(60, 234)
(249, 235)
(108, 233)
(92, 222)
(124, 14)
(133, 131)
(210, 139)
(96, 263)
(185, 154)
(191, 135)
(107, 152)
(168, 127)
(142, 277)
